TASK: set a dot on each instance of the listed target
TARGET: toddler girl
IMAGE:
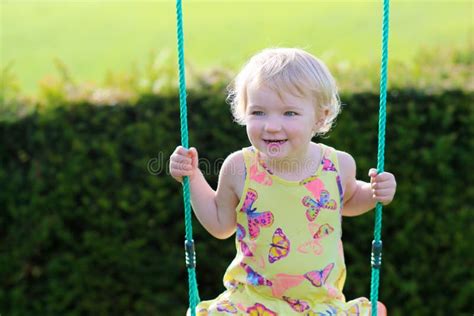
(283, 196)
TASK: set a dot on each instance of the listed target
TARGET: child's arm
(360, 196)
(215, 210)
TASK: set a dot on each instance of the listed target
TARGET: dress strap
(249, 155)
(331, 162)
(256, 170)
(331, 154)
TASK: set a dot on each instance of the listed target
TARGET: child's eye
(290, 113)
(257, 113)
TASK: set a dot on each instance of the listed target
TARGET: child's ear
(322, 118)
(321, 121)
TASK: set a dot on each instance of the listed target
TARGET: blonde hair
(289, 70)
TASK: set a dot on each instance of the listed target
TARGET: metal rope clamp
(376, 254)
(190, 254)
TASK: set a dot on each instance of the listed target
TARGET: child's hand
(383, 186)
(183, 162)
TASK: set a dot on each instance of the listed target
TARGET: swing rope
(376, 256)
(189, 242)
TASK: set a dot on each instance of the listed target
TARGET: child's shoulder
(235, 161)
(345, 159)
(233, 171)
(237, 157)
(347, 165)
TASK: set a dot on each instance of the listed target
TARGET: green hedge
(91, 224)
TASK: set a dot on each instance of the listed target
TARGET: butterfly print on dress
(315, 206)
(280, 246)
(255, 220)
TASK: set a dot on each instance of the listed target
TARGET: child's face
(280, 128)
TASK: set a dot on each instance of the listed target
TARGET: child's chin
(276, 151)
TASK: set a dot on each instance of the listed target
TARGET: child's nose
(272, 126)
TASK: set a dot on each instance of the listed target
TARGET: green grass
(94, 37)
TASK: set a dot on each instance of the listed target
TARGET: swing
(376, 256)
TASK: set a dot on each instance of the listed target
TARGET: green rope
(377, 242)
(189, 243)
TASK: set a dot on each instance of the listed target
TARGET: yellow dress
(289, 257)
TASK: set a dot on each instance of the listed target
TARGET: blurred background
(92, 224)
(94, 38)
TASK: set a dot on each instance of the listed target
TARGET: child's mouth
(275, 141)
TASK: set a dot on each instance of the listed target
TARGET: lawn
(94, 37)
